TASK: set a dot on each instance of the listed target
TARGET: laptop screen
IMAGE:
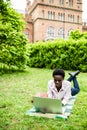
(47, 105)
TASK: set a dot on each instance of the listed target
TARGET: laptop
(47, 105)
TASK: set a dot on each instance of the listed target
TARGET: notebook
(47, 105)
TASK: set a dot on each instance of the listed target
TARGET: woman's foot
(73, 74)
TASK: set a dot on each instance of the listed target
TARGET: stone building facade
(84, 27)
(51, 19)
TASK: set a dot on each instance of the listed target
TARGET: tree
(12, 40)
(9, 15)
(76, 35)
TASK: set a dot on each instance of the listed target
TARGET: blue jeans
(75, 89)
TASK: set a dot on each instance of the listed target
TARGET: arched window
(61, 2)
(77, 19)
(70, 18)
(61, 33)
(78, 1)
(27, 32)
(73, 18)
(70, 3)
(61, 16)
(51, 15)
(51, 1)
(69, 31)
(50, 31)
(42, 13)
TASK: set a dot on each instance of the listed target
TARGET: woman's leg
(75, 89)
(70, 78)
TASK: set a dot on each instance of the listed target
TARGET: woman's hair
(59, 72)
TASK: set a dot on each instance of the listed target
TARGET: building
(84, 27)
(51, 19)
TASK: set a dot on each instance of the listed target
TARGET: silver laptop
(47, 105)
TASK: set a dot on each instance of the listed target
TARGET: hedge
(65, 54)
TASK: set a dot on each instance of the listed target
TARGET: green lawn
(16, 91)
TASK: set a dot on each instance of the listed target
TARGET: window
(61, 33)
(70, 3)
(70, 18)
(51, 1)
(78, 1)
(51, 15)
(73, 18)
(50, 32)
(42, 13)
(64, 17)
(61, 16)
(27, 34)
(69, 31)
(61, 2)
(77, 19)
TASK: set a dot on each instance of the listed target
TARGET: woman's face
(58, 81)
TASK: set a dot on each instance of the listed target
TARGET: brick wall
(40, 21)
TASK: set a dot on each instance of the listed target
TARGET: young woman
(61, 89)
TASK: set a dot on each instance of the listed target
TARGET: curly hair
(59, 72)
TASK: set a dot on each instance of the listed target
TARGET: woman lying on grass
(61, 89)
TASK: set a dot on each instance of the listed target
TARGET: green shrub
(77, 35)
(12, 49)
(66, 54)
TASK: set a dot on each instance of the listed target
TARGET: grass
(16, 91)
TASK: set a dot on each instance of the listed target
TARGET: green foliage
(12, 40)
(69, 55)
(9, 16)
(76, 35)
(85, 35)
(12, 48)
